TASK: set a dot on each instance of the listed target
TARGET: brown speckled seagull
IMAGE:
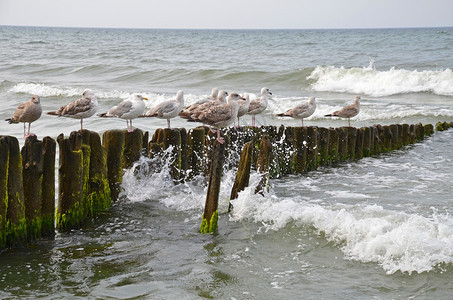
(347, 111)
(27, 112)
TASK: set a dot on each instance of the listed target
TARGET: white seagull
(301, 111)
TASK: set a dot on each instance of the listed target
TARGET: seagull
(244, 105)
(168, 109)
(258, 105)
(221, 115)
(221, 99)
(301, 111)
(347, 111)
(187, 111)
(27, 112)
(81, 108)
(128, 110)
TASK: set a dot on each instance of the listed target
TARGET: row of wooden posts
(90, 171)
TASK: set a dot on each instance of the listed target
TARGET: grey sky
(228, 13)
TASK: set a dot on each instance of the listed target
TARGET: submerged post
(262, 165)
(113, 141)
(48, 188)
(210, 215)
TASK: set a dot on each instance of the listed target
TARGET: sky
(228, 14)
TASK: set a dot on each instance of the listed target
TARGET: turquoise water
(377, 228)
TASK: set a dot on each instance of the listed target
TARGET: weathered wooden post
(210, 215)
(428, 129)
(195, 151)
(419, 132)
(323, 145)
(359, 143)
(133, 145)
(288, 145)
(172, 137)
(405, 134)
(183, 152)
(48, 188)
(71, 210)
(333, 146)
(16, 225)
(98, 195)
(412, 134)
(343, 154)
(113, 141)
(395, 140)
(299, 161)
(145, 146)
(262, 164)
(32, 179)
(243, 173)
(312, 148)
(352, 139)
(367, 149)
(4, 160)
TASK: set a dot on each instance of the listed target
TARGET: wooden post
(312, 148)
(133, 145)
(343, 143)
(323, 145)
(395, 144)
(262, 165)
(183, 152)
(98, 194)
(359, 143)
(419, 132)
(412, 134)
(405, 134)
(300, 149)
(70, 212)
(48, 188)
(32, 179)
(195, 151)
(145, 146)
(428, 129)
(352, 140)
(4, 161)
(367, 139)
(210, 215)
(333, 146)
(172, 137)
(287, 146)
(16, 225)
(243, 173)
(113, 141)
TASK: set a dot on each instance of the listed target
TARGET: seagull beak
(145, 98)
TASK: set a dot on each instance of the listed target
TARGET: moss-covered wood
(243, 173)
(32, 166)
(299, 160)
(333, 146)
(183, 152)
(352, 140)
(70, 212)
(16, 225)
(343, 153)
(323, 146)
(359, 143)
(405, 134)
(196, 141)
(312, 148)
(4, 162)
(428, 129)
(367, 147)
(262, 165)
(210, 215)
(395, 137)
(133, 145)
(98, 195)
(113, 142)
(48, 188)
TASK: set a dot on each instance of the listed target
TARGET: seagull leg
(253, 120)
(220, 139)
(168, 123)
(302, 122)
(81, 124)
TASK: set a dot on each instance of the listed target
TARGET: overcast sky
(228, 14)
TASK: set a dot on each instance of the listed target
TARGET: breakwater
(90, 170)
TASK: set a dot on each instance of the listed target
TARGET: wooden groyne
(90, 170)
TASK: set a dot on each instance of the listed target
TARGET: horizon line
(176, 28)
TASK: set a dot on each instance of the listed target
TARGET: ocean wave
(397, 241)
(375, 83)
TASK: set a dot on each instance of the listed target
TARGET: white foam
(369, 81)
(397, 241)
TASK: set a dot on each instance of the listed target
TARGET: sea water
(380, 227)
